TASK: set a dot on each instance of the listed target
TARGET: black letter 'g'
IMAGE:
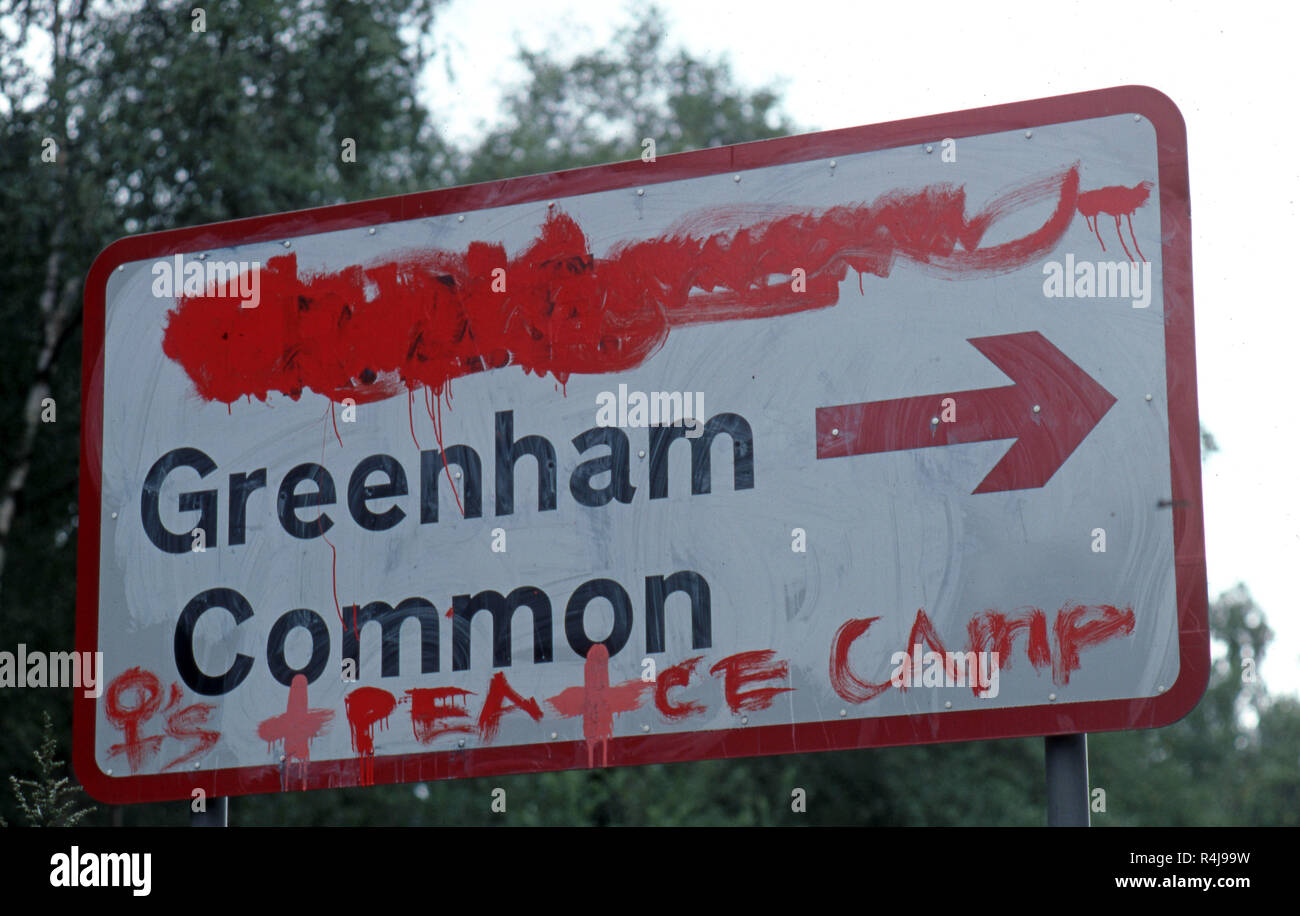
(204, 500)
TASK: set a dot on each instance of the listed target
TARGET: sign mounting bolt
(640, 192)
(1038, 409)
(1148, 397)
(929, 148)
(947, 704)
(833, 163)
(461, 218)
(287, 245)
(1028, 134)
(735, 178)
(371, 230)
(843, 713)
(645, 728)
(744, 720)
(203, 255)
(1052, 697)
(460, 743)
(640, 453)
(114, 515)
(554, 736)
(934, 421)
(835, 431)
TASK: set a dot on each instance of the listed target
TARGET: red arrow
(1050, 409)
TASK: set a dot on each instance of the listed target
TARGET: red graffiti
(988, 632)
(923, 634)
(367, 707)
(428, 711)
(744, 668)
(1115, 201)
(678, 675)
(597, 702)
(133, 698)
(184, 725)
(371, 332)
(130, 717)
(1071, 636)
(173, 696)
(843, 681)
(297, 726)
(494, 707)
(992, 632)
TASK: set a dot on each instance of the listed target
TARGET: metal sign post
(217, 814)
(1067, 780)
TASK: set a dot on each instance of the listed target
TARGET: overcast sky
(1231, 68)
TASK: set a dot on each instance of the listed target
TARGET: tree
(602, 105)
(150, 125)
(50, 800)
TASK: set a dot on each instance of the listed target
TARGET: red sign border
(838, 734)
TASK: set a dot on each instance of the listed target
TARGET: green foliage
(601, 106)
(157, 126)
(49, 800)
(1208, 768)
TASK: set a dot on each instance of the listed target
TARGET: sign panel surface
(877, 436)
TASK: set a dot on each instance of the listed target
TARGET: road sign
(876, 436)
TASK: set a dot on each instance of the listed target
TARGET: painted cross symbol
(597, 702)
(296, 726)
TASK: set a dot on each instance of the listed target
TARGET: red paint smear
(994, 633)
(297, 726)
(334, 577)
(745, 667)
(366, 707)
(678, 675)
(184, 724)
(923, 633)
(843, 681)
(1072, 636)
(494, 707)
(437, 435)
(597, 702)
(173, 697)
(410, 415)
(369, 332)
(990, 629)
(148, 697)
(428, 710)
(1116, 201)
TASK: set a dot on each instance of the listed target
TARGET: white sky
(1229, 67)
